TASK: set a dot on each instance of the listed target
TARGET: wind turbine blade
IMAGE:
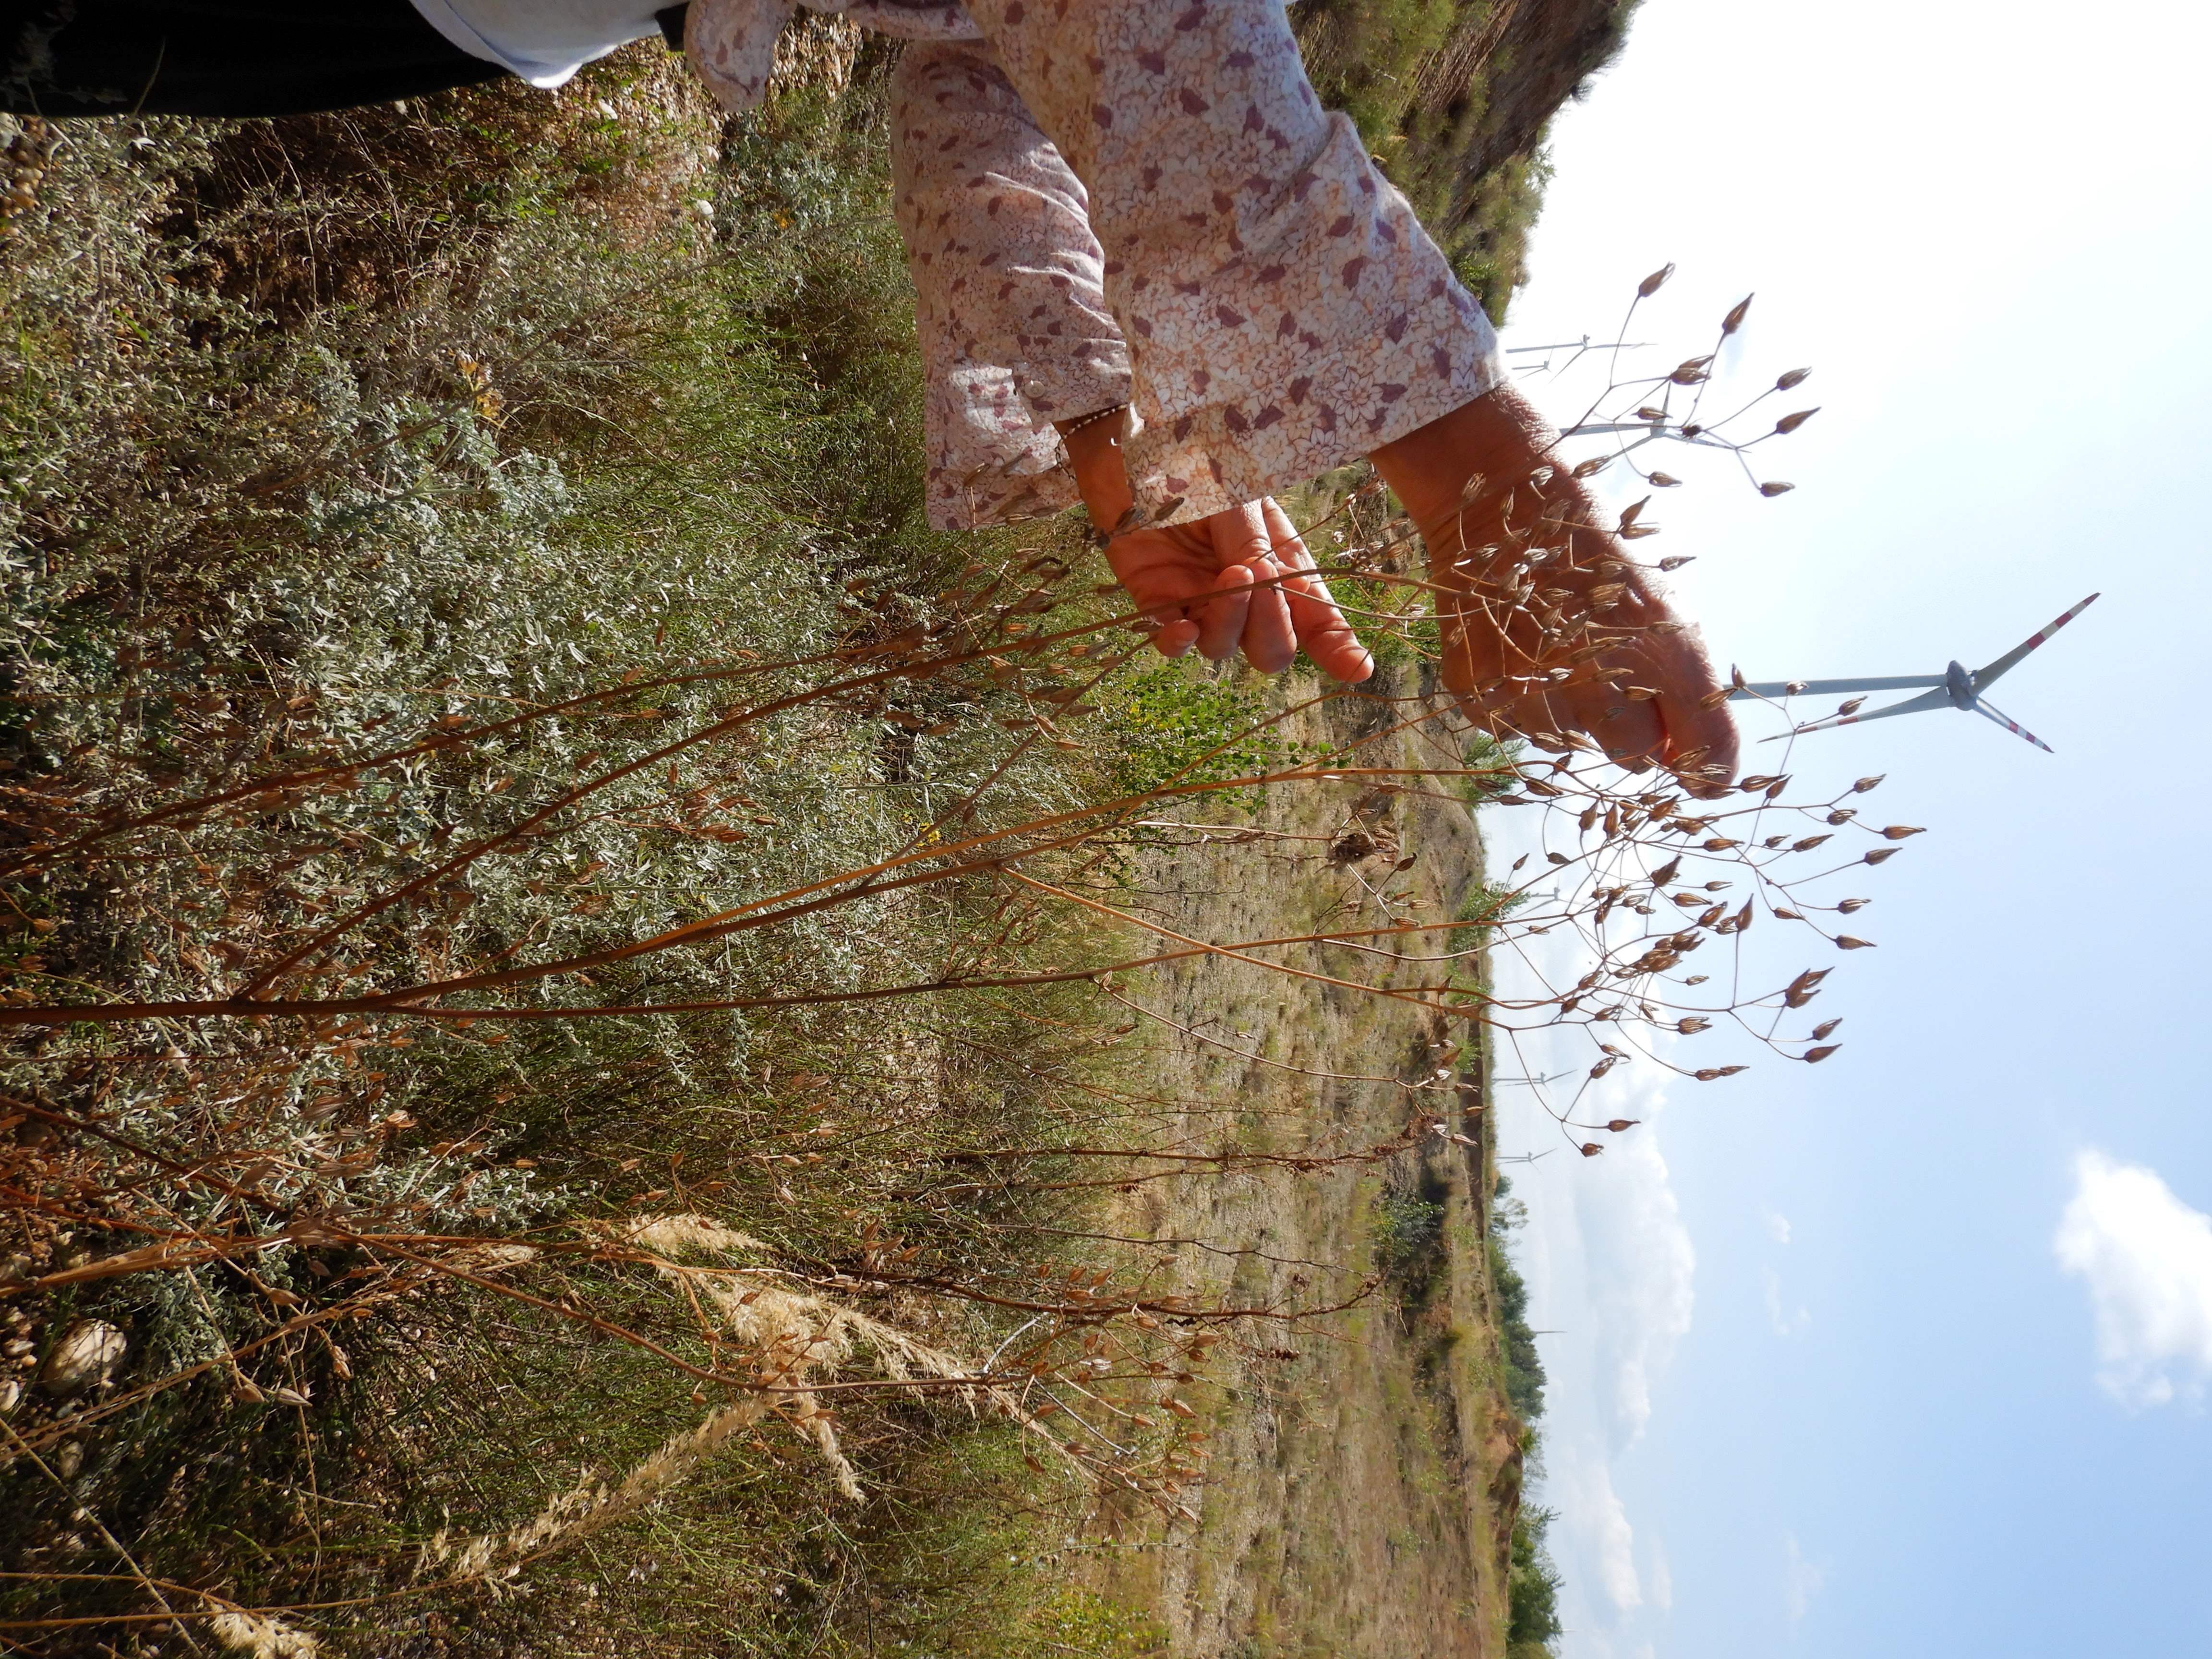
(1828, 688)
(2015, 726)
(1989, 677)
(1938, 698)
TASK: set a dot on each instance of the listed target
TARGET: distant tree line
(1533, 1585)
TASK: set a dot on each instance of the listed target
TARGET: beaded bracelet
(1091, 419)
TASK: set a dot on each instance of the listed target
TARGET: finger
(1319, 625)
(1176, 638)
(1626, 728)
(1703, 741)
(1700, 730)
(1221, 616)
(1270, 643)
(1240, 538)
(1237, 540)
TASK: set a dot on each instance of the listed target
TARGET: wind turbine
(1954, 687)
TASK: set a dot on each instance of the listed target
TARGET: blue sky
(1825, 1382)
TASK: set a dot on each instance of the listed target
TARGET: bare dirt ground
(1360, 1495)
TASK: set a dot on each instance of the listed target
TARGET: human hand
(1549, 627)
(1576, 636)
(1241, 579)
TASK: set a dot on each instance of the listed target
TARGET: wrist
(1093, 442)
(1474, 459)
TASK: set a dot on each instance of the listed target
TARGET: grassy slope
(1362, 1494)
(1454, 97)
(427, 410)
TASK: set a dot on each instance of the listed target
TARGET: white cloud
(1777, 1226)
(1785, 1325)
(1659, 1580)
(1640, 1264)
(1802, 1580)
(1611, 1271)
(2147, 1258)
(1602, 1538)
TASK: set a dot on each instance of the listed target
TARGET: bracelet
(1091, 419)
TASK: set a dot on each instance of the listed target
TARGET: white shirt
(543, 41)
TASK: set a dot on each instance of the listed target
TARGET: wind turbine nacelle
(1959, 684)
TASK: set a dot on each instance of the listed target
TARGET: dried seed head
(1620, 1123)
(1826, 1030)
(1849, 905)
(1900, 831)
(1846, 942)
(1795, 376)
(1865, 784)
(1880, 854)
(1789, 423)
(1591, 1149)
(1734, 320)
(1651, 284)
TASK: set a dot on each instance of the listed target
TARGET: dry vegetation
(609, 1042)
(443, 547)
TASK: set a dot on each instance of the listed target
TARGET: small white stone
(88, 1353)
